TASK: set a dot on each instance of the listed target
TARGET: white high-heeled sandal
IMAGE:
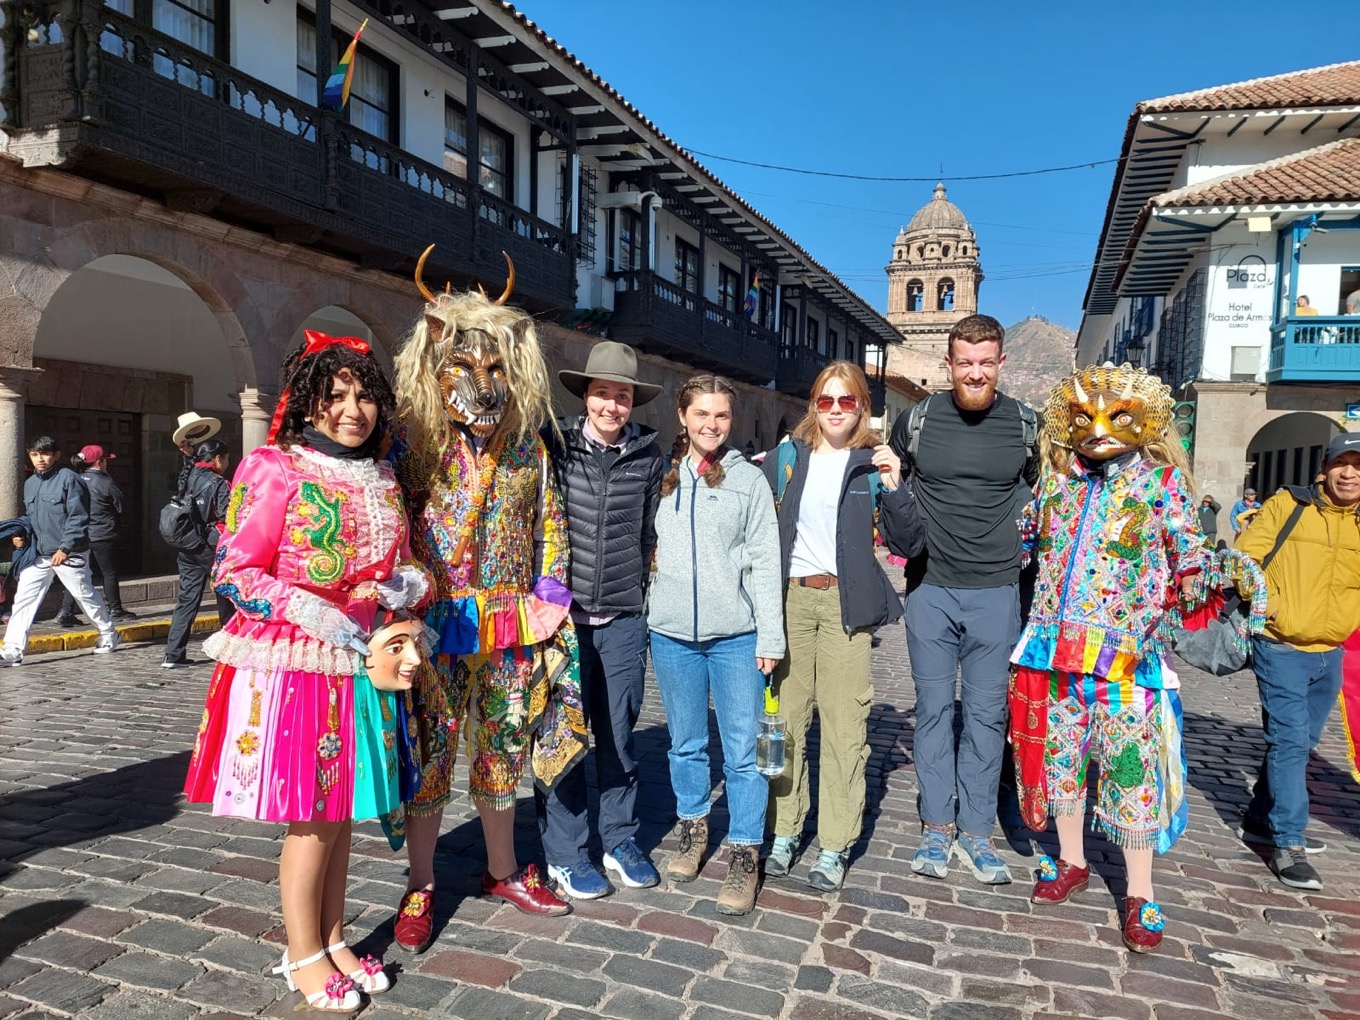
(338, 996)
(371, 977)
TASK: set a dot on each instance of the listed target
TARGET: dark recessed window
(372, 105)
(814, 333)
(629, 247)
(833, 343)
(687, 266)
(729, 286)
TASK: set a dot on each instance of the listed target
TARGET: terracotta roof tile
(1333, 85)
(1327, 173)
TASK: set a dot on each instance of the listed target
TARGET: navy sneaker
(932, 856)
(631, 866)
(580, 881)
(979, 853)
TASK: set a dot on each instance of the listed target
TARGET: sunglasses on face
(846, 401)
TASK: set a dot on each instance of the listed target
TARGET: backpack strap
(916, 421)
(1029, 433)
(788, 457)
(1289, 523)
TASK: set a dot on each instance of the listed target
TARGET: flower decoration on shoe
(338, 986)
(1048, 869)
(371, 965)
(415, 903)
(1150, 917)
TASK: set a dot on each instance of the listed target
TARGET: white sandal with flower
(338, 996)
(370, 975)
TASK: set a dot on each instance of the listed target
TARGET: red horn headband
(316, 343)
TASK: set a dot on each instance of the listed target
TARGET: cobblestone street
(118, 901)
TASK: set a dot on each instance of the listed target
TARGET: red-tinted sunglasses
(846, 401)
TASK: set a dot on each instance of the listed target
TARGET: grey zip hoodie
(717, 560)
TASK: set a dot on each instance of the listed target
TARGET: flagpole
(324, 59)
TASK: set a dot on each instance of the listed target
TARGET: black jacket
(868, 598)
(106, 505)
(611, 502)
(212, 493)
(58, 508)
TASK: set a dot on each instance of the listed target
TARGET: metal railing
(1315, 348)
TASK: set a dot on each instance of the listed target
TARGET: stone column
(257, 410)
(13, 391)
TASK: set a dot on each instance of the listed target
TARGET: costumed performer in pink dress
(315, 545)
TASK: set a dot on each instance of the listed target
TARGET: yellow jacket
(1314, 580)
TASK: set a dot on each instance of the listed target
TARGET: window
(373, 90)
(915, 296)
(788, 323)
(496, 149)
(455, 139)
(946, 296)
(628, 230)
(814, 333)
(189, 21)
(850, 351)
(729, 289)
(201, 24)
(687, 266)
(833, 343)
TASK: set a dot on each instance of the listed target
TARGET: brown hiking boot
(738, 893)
(684, 865)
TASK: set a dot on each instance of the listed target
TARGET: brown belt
(819, 581)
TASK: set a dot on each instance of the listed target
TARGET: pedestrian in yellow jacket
(1314, 606)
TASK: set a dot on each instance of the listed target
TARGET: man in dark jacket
(609, 473)
(106, 507)
(58, 508)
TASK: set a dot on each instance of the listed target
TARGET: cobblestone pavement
(118, 901)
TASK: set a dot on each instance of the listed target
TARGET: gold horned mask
(1104, 411)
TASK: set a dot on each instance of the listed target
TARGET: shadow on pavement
(35, 919)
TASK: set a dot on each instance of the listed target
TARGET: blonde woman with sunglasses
(832, 479)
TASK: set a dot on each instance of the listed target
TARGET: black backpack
(181, 524)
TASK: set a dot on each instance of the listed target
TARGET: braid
(715, 474)
(678, 450)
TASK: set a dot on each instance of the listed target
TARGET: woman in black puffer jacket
(204, 479)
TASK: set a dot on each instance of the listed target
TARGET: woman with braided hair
(717, 628)
(315, 543)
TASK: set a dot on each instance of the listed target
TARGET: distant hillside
(1038, 354)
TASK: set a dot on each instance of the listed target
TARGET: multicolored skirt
(283, 745)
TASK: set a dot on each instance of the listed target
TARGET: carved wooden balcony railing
(659, 316)
(92, 91)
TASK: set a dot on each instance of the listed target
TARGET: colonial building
(176, 205)
(1231, 205)
(933, 282)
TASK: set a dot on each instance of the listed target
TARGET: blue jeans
(686, 673)
(1298, 690)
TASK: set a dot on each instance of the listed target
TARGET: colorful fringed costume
(293, 730)
(1115, 533)
(487, 520)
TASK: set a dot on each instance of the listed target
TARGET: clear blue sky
(901, 88)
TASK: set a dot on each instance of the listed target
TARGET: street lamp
(1134, 351)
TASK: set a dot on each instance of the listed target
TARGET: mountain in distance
(1039, 353)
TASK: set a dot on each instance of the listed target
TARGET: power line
(904, 180)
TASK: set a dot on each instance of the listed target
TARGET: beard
(969, 399)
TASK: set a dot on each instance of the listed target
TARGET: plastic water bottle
(770, 737)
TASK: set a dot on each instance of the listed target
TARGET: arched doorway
(1288, 450)
(125, 347)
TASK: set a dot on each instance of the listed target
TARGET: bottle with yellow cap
(770, 736)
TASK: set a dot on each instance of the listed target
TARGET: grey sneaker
(108, 644)
(1290, 864)
(932, 856)
(828, 874)
(11, 659)
(782, 854)
(980, 855)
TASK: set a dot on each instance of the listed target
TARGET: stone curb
(142, 630)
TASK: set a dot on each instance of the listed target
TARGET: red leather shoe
(414, 927)
(1143, 924)
(525, 890)
(1059, 881)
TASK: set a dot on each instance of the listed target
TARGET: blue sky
(899, 88)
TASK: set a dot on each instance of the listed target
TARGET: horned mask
(1106, 411)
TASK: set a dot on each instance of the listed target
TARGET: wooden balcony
(143, 111)
(798, 369)
(656, 315)
(1315, 349)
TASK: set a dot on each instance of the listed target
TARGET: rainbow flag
(336, 94)
(752, 304)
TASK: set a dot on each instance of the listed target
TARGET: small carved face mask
(472, 381)
(1106, 424)
(397, 654)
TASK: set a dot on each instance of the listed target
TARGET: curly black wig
(308, 381)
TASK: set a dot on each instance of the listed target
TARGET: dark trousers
(103, 567)
(194, 570)
(613, 662)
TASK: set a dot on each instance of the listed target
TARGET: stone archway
(1288, 450)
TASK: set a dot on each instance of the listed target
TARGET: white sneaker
(11, 659)
(108, 644)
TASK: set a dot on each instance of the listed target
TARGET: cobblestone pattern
(118, 900)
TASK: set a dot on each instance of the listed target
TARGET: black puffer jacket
(212, 493)
(106, 505)
(611, 515)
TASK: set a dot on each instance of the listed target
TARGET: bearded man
(487, 520)
(968, 455)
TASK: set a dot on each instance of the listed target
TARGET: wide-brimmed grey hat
(612, 361)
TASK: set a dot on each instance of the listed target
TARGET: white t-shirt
(814, 542)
